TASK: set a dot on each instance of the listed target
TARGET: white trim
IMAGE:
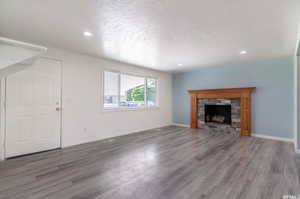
(297, 51)
(124, 109)
(60, 101)
(22, 44)
(2, 118)
(181, 125)
(296, 101)
(273, 138)
(145, 92)
(296, 90)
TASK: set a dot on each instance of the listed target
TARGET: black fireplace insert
(218, 114)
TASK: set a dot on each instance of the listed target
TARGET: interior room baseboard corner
(182, 125)
(273, 138)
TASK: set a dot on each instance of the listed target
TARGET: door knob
(57, 109)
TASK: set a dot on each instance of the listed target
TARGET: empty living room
(149, 99)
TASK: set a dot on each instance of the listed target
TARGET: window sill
(107, 110)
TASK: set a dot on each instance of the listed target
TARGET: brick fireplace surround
(234, 128)
(242, 96)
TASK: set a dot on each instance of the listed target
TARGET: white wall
(83, 118)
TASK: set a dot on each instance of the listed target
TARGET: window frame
(119, 73)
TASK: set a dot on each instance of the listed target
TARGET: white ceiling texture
(168, 35)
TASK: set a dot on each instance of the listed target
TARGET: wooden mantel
(244, 94)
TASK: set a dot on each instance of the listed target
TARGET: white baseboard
(273, 138)
(181, 125)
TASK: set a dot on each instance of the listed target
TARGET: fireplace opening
(218, 114)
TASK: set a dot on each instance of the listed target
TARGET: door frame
(3, 87)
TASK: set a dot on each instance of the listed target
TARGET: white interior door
(33, 108)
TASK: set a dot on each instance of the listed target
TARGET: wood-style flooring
(166, 163)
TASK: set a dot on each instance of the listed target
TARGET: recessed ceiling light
(87, 34)
(179, 64)
(243, 52)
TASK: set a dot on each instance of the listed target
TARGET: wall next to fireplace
(272, 104)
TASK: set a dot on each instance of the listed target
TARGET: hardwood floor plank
(165, 163)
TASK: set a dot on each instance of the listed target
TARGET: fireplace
(238, 98)
(218, 114)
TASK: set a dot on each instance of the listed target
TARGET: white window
(129, 91)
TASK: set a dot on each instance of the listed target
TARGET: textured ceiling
(158, 34)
